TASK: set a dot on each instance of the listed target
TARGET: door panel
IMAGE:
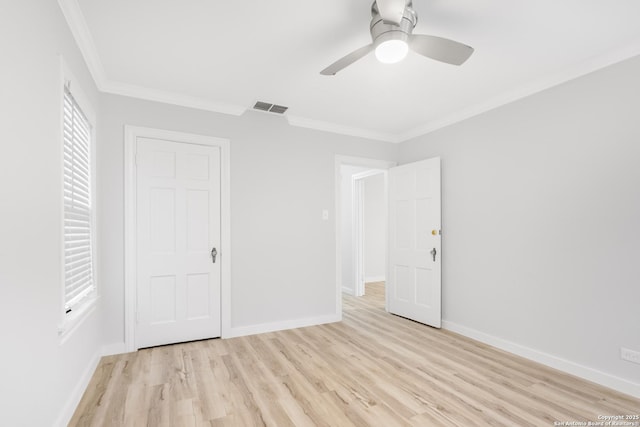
(178, 223)
(414, 238)
(162, 202)
(198, 290)
(162, 298)
(198, 216)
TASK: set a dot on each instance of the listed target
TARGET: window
(78, 229)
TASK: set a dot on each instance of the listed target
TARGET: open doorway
(361, 230)
(368, 227)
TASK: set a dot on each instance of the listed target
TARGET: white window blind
(79, 280)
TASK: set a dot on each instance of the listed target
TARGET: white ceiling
(225, 55)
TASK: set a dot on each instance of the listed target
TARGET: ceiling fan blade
(440, 49)
(346, 60)
(391, 11)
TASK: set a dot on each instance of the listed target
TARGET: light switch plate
(630, 355)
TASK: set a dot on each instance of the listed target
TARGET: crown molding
(167, 97)
(578, 70)
(304, 122)
(80, 31)
(78, 26)
(82, 35)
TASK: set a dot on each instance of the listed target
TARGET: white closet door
(178, 226)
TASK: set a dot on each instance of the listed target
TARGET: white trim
(114, 348)
(130, 137)
(69, 322)
(351, 161)
(73, 320)
(73, 400)
(357, 235)
(173, 98)
(130, 249)
(81, 33)
(64, 70)
(363, 162)
(585, 372)
(372, 279)
(69, 78)
(240, 331)
(346, 290)
(225, 237)
(567, 74)
(367, 173)
(304, 122)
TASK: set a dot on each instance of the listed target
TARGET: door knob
(214, 253)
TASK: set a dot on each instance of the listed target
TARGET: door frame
(357, 222)
(132, 133)
(341, 160)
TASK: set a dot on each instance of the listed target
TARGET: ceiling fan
(391, 26)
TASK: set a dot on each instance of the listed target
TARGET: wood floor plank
(371, 369)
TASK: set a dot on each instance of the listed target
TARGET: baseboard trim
(74, 399)
(117, 348)
(347, 291)
(374, 279)
(114, 348)
(240, 331)
(584, 372)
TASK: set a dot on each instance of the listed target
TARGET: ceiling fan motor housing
(381, 31)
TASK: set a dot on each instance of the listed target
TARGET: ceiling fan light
(392, 51)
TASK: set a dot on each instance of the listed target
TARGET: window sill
(76, 318)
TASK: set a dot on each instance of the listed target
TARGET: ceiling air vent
(271, 108)
(278, 109)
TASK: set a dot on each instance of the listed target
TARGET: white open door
(414, 276)
(177, 229)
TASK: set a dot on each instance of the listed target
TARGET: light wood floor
(372, 369)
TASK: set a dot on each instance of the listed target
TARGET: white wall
(540, 201)
(541, 222)
(374, 228)
(38, 374)
(346, 226)
(282, 253)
